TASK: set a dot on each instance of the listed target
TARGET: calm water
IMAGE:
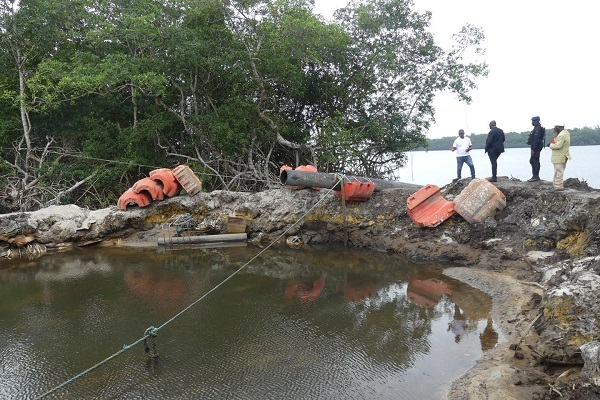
(439, 167)
(316, 323)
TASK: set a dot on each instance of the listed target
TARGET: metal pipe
(328, 180)
(226, 237)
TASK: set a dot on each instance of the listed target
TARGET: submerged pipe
(226, 237)
(327, 180)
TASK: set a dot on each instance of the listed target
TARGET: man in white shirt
(463, 145)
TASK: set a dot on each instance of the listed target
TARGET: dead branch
(58, 196)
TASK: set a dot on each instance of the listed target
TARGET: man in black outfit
(536, 142)
(494, 146)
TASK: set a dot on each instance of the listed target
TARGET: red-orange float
(130, 197)
(427, 208)
(307, 168)
(356, 191)
(149, 185)
(166, 180)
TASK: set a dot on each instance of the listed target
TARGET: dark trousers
(534, 160)
(494, 160)
(464, 160)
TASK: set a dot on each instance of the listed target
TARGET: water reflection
(489, 336)
(304, 291)
(457, 325)
(163, 291)
(356, 288)
(428, 293)
(330, 322)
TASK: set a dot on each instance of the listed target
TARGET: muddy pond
(308, 323)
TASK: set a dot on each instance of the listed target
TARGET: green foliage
(234, 89)
(391, 72)
(585, 136)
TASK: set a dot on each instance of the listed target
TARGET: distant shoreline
(579, 137)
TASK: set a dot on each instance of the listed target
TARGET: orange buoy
(427, 208)
(165, 178)
(129, 197)
(307, 168)
(356, 191)
(149, 185)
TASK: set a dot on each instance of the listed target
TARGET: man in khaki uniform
(560, 154)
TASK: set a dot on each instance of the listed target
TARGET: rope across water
(152, 332)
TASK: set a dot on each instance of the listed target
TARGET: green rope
(152, 332)
(118, 353)
(341, 177)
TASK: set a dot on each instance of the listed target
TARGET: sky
(543, 58)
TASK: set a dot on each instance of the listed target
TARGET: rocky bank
(538, 259)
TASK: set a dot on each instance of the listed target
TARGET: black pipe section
(328, 180)
(225, 237)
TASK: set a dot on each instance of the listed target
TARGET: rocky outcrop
(547, 238)
(590, 353)
(570, 310)
(30, 234)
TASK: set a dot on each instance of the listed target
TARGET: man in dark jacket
(536, 142)
(494, 146)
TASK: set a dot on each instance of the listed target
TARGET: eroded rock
(590, 352)
(570, 309)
